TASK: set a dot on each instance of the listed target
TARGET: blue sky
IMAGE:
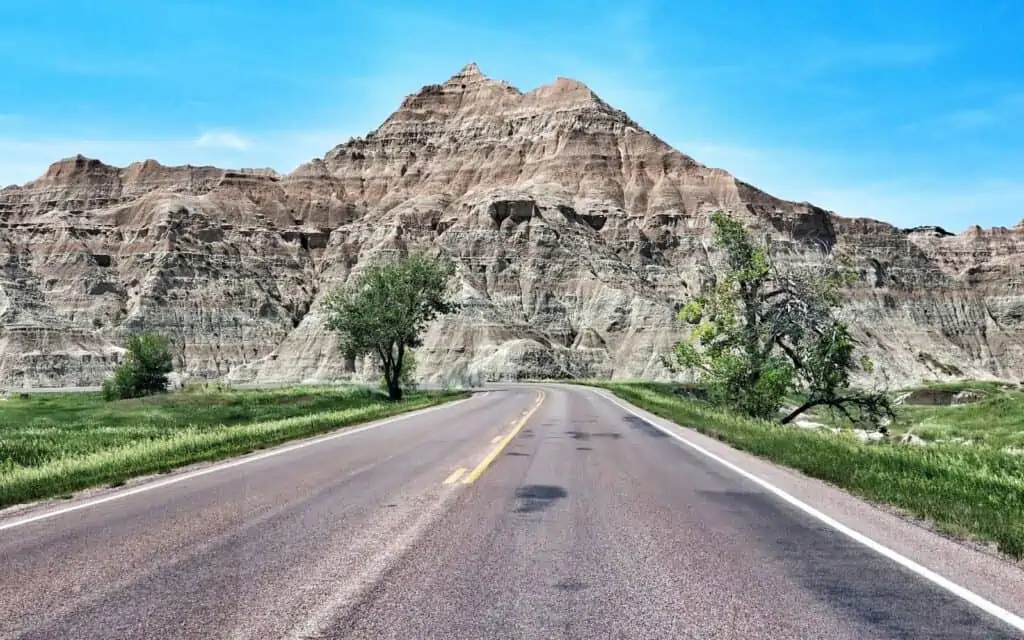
(897, 110)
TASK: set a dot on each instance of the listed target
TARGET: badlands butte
(576, 234)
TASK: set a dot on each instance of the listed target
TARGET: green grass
(971, 492)
(996, 421)
(985, 386)
(51, 445)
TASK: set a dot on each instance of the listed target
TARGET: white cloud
(826, 180)
(884, 54)
(832, 56)
(1007, 108)
(22, 160)
(223, 139)
(911, 203)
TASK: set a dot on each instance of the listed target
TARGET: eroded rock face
(576, 234)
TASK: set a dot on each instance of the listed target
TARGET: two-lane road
(589, 522)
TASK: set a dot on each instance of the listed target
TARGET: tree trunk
(394, 388)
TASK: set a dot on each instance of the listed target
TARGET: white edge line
(1009, 618)
(149, 486)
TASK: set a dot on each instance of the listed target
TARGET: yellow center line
(452, 479)
(480, 468)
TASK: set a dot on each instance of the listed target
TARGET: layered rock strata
(576, 234)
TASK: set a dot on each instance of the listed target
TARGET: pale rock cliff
(575, 232)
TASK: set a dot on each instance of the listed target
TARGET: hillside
(576, 234)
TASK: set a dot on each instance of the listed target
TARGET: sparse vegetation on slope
(51, 445)
(989, 414)
(764, 331)
(971, 492)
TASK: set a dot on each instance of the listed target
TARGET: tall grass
(972, 492)
(53, 445)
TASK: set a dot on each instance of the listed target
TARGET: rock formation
(576, 234)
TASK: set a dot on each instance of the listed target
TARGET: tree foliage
(386, 310)
(144, 370)
(761, 333)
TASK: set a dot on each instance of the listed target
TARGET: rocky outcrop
(575, 232)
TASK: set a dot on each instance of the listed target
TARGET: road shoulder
(985, 574)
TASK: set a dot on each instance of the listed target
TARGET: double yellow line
(471, 477)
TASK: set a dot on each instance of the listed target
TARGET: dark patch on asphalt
(584, 448)
(644, 427)
(537, 497)
(583, 435)
(570, 584)
(517, 453)
(870, 587)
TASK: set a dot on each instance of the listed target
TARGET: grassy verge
(995, 420)
(993, 416)
(971, 492)
(51, 445)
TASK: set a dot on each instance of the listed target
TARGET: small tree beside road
(762, 333)
(144, 370)
(385, 311)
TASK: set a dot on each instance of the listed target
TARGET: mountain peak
(566, 89)
(560, 211)
(468, 75)
(77, 166)
(471, 69)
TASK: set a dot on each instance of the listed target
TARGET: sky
(899, 110)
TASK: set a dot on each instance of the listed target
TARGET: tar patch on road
(571, 585)
(537, 497)
(584, 435)
(644, 427)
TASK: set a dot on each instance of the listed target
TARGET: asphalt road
(588, 523)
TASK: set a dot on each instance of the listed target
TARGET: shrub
(144, 370)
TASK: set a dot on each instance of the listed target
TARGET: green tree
(761, 333)
(386, 310)
(144, 369)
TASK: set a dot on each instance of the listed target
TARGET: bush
(144, 370)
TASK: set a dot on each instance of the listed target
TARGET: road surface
(523, 512)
